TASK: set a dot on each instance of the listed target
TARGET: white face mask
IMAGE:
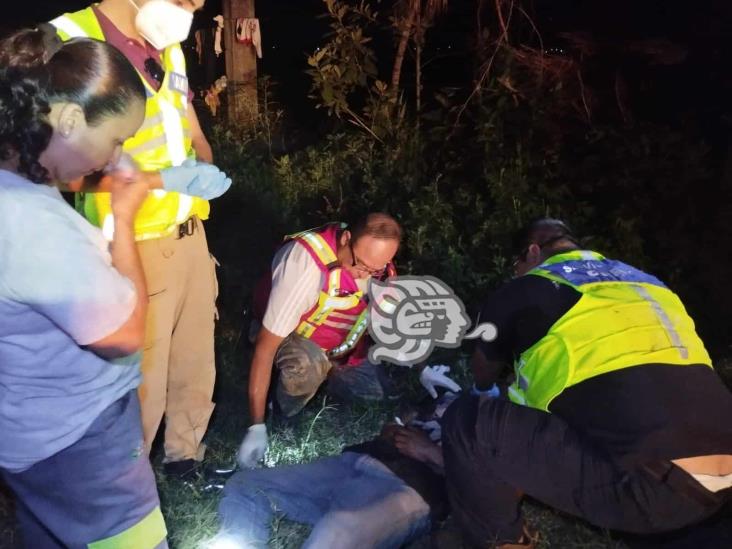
(162, 23)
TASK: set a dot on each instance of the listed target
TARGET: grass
(322, 429)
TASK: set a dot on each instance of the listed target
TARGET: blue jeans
(100, 486)
(351, 500)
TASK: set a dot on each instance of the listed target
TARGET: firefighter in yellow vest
(615, 413)
(175, 159)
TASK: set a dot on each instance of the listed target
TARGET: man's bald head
(377, 225)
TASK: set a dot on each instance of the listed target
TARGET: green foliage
(345, 63)
(461, 186)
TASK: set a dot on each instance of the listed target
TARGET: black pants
(496, 451)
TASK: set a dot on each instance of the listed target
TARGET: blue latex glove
(493, 392)
(196, 179)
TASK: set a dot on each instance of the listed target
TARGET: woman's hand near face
(129, 189)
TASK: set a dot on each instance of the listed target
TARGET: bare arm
(414, 443)
(260, 373)
(105, 184)
(128, 338)
(199, 141)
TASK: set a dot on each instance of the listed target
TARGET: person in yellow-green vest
(175, 158)
(614, 413)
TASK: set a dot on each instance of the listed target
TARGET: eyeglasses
(153, 68)
(359, 266)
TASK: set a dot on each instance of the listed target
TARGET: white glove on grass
(253, 446)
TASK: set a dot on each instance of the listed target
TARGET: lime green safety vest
(624, 318)
(164, 140)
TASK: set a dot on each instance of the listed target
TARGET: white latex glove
(253, 446)
(435, 376)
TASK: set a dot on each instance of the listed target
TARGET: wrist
(124, 222)
(153, 180)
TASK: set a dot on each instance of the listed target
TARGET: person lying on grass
(385, 492)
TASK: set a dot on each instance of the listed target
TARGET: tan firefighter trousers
(178, 370)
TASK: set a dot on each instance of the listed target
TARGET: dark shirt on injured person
(637, 414)
(415, 474)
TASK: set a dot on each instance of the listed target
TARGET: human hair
(376, 225)
(552, 235)
(38, 70)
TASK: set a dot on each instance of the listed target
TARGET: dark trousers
(99, 488)
(496, 451)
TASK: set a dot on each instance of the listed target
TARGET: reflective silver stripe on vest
(185, 203)
(338, 325)
(343, 316)
(67, 26)
(313, 241)
(664, 319)
(353, 336)
(174, 137)
(172, 116)
(516, 396)
(150, 145)
(151, 121)
(523, 382)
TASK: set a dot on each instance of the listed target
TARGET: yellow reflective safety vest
(164, 140)
(624, 318)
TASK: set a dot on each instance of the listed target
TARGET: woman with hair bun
(72, 308)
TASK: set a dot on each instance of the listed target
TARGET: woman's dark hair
(37, 70)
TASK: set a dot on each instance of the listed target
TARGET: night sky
(292, 29)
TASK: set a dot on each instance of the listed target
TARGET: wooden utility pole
(241, 65)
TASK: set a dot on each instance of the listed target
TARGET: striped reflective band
(342, 316)
(337, 325)
(185, 203)
(662, 316)
(353, 336)
(67, 26)
(150, 145)
(333, 282)
(174, 134)
(151, 122)
(516, 396)
(146, 534)
(320, 246)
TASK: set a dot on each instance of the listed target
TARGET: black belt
(187, 228)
